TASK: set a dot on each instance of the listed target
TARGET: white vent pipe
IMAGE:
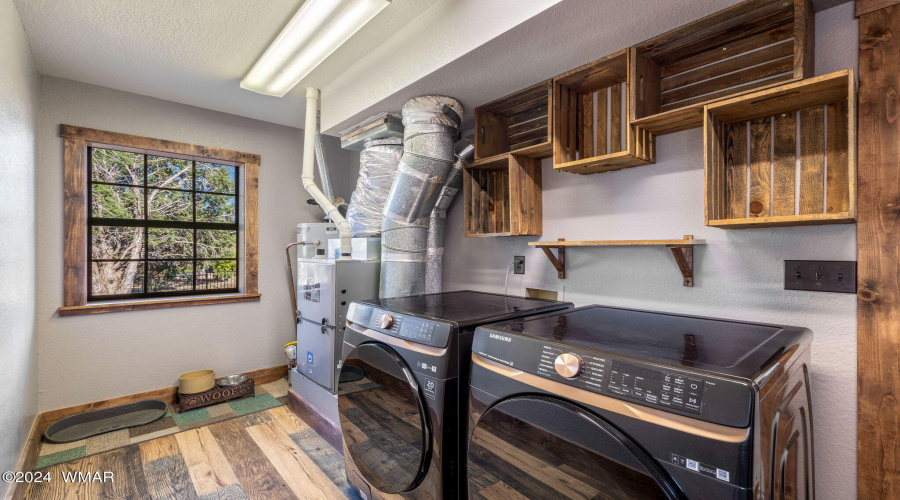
(309, 183)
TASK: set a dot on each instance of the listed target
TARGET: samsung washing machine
(600, 402)
(404, 386)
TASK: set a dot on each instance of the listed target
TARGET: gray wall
(19, 93)
(95, 357)
(738, 272)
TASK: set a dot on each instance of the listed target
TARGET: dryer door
(384, 420)
(542, 447)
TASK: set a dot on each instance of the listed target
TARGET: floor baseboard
(27, 459)
(169, 395)
(316, 421)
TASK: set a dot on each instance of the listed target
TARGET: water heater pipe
(309, 183)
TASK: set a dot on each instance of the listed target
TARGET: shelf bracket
(684, 257)
(558, 260)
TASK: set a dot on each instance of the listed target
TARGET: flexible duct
(309, 183)
(431, 126)
(378, 163)
(324, 176)
(434, 266)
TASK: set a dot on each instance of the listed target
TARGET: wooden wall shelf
(751, 163)
(753, 45)
(502, 196)
(591, 109)
(519, 123)
(682, 250)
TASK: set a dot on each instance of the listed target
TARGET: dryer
(602, 402)
(403, 423)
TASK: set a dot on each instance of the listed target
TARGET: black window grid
(146, 223)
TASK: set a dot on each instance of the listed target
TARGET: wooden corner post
(878, 247)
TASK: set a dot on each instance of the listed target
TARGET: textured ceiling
(194, 52)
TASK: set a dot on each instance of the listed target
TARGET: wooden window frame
(77, 140)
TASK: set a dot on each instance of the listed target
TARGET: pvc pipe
(309, 183)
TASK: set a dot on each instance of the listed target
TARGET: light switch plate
(820, 275)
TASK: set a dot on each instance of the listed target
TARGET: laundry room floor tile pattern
(271, 395)
(270, 454)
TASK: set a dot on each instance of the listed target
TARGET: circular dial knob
(386, 321)
(568, 365)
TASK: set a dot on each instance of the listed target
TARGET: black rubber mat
(92, 423)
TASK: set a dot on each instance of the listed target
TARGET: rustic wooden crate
(750, 46)
(519, 123)
(215, 396)
(591, 106)
(759, 145)
(502, 196)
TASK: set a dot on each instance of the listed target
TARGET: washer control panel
(657, 384)
(412, 328)
(656, 387)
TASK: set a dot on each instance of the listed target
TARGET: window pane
(111, 242)
(216, 178)
(170, 205)
(119, 167)
(216, 274)
(215, 208)
(167, 243)
(117, 202)
(216, 244)
(117, 278)
(170, 276)
(169, 172)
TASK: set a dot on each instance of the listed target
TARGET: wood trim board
(17, 491)
(168, 394)
(132, 305)
(313, 418)
(878, 248)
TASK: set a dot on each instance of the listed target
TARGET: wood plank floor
(266, 455)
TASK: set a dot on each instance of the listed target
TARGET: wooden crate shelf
(753, 45)
(502, 196)
(591, 107)
(682, 250)
(754, 176)
(518, 123)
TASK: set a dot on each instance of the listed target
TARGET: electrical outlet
(519, 264)
(820, 275)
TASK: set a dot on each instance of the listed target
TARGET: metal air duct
(431, 126)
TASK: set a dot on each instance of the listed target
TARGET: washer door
(384, 420)
(541, 447)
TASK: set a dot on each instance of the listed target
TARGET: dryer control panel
(649, 383)
(404, 326)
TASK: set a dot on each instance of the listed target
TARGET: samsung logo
(501, 337)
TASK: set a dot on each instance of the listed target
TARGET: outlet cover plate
(820, 275)
(519, 264)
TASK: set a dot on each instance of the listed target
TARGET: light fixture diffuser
(313, 34)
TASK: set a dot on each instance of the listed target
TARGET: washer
(401, 422)
(602, 402)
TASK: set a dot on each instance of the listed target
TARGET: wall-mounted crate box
(784, 156)
(518, 123)
(502, 196)
(591, 106)
(753, 45)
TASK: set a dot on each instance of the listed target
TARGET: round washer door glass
(383, 420)
(541, 447)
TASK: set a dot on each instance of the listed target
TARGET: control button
(651, 398)
(679, 380)
(679, 390)
(385, 321)
(665, 398)
(568, 365)
(694, 385)
(666, 387)
(677, 400)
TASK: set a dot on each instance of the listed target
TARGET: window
(148, 220)
(161, 226)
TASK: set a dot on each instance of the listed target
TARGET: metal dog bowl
(232, 380)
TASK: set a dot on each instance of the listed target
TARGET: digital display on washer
(656, 387)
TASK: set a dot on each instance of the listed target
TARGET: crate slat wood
(750, 46)
(783, 156)
(502, 196)
(518, 123)
(592, 105)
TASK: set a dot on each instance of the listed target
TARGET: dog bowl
(196, 381)
(232, 380)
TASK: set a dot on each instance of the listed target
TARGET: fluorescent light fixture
(313, 34)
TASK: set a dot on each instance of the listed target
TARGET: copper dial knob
(386, 321)
(568, 365)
